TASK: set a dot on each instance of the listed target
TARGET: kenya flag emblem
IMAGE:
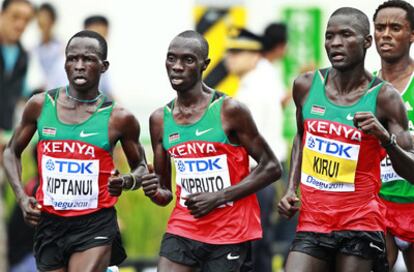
(48, 131)
(318, 110)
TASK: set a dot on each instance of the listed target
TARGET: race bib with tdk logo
(197, 175)
(329, 164)
(70, 183)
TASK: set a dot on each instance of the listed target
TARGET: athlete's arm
(123, 126)
(240, 128)
(392, 119)
(12, 157)
(157, 186)
(300, 91)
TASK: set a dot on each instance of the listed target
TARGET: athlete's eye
(396, 28)
(170, 58)
(328, 36)
(189, 60)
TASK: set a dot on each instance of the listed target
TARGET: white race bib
(70, 184)
(208, 174)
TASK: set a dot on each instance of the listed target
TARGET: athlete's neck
(397, 72)
(87, 96)
(346, 81)
(192, 97)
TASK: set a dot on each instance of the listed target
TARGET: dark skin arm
(391, 119)
(286, 206)
(157, 186)
(123, 126)
(12, 158)
(241, 129)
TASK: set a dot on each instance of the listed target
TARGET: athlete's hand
(286, 207)
(201, 204)
(368, 123)
(150, 183)
(31, 210)
(115, 184)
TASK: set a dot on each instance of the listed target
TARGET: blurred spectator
(14, 17)
(20, 235)
(275, 39)
(250, 57)
(100, 24)
(49, 53)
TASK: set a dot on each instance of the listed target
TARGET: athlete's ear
(205, 64)
(105, 66)
(367, 41)
(412, 36)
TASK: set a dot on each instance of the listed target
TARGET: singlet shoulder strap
(376, 81)
(107, 103)
(170, 105)
(324, 73)
(53, 93)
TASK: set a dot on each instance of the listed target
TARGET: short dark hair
(195, 35)
(274, 35)
(7, 3)
(409, 9)
(92, 34)
(49, 8)
(95, 19)
(361, 17)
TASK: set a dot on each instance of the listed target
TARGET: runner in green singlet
(209, 136)
(394, 34)
(336, 155)
(78, 127)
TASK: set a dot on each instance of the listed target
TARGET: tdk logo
(50, 165)
(199, 165)
(73, 167)
(311, 142)
(331, 147)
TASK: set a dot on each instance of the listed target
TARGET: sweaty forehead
(391, 15)
(342, 21)
(84, 45)
(185, 46)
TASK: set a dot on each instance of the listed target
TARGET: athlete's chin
(340, 66)
(388, 56)
(81, 86)
(180, 87)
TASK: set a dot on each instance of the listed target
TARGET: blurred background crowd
(285, 39)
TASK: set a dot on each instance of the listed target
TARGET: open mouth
(386, 46)
(337, 56)
(79, 80)
(177, 80)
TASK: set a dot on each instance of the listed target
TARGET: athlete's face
(345, 43)
(83, 63)
(393, 34)
(185, 63)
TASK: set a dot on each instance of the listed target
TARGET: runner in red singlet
(209, 136)
(78, 127)
(344, 116)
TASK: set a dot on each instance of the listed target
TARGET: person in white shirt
(261, 88)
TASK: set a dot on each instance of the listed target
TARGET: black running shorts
(369, 245)
(208, 257)
(57, 238)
